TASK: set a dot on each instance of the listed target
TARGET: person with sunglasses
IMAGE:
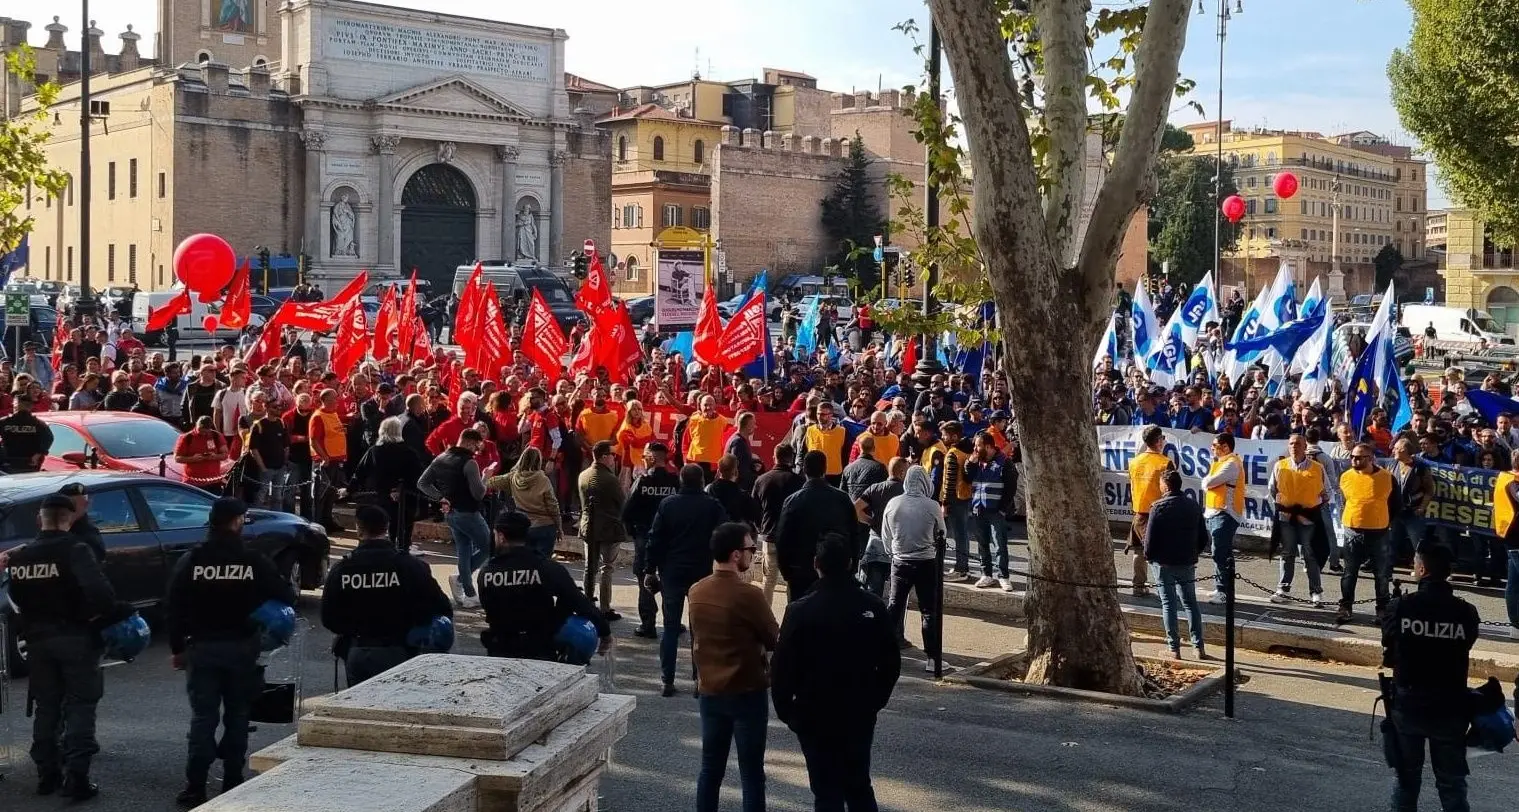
(1367, 489)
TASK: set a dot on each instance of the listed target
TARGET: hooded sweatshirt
(532, 493)
(913, 520)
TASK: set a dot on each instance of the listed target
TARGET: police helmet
(435, 637)
(276, 624)
(576, 640)
(126, 639)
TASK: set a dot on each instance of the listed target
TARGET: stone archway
(1503, 305)
(438, 207)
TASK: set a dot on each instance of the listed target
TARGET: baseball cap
(71, 489)
(57, 502)
(226, 508)
(998, 414)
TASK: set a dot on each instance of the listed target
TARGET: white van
(191, 325)
(1454, 324)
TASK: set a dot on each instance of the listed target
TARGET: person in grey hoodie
(911, 529)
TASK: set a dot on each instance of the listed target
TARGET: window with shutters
(110, 262)
(132, 178)
(673, 216)
(659, 148)
(701, 218)
(699, 150)
(110, 181)
(132, 263)
(163, 184)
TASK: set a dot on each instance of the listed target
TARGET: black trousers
(364, 662)
(648, 602)
(798, 583)
(838, 764)
(402, 517)
(922, 577)
(66, 685)
(1446, 739)
(221, 678)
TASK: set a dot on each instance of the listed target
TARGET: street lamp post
(1224, 15)
(85, 305)
(928, 363)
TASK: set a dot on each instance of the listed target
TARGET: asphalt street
(1300, 739)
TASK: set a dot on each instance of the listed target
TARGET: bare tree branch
(1062, 36)
(1124, 189)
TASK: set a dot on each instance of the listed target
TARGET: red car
(121, 440)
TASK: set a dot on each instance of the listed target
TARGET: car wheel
(289, 565)
(15, 650)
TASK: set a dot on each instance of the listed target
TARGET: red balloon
(209, 322)
(1234, 208)
(204, 263)
(1285, 185)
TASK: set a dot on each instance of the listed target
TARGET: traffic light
(582, 265)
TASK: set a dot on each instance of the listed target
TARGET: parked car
(28, 287)
(119, 298)
(147, 523)
(44, 321)
(68, 297)
(727, 307)
(51, 288)
(641, 309)
(120, 441)
(842, 304)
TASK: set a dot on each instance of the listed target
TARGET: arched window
(202, 57)
(260, 62)
(699, 151)
(632, 268)
(622, 147)
(659, 148)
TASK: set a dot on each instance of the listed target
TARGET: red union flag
(542, 341)
(270, 344)
(162, 317)
(238, 306)
(744, 338)
(353, 339)
(493, 344)
(707, 346)
(467, 318)
(618, 349)
(595, 294)
(323, 316)
(385, 325)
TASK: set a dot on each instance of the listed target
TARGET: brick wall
(588, 191)
(766, 205)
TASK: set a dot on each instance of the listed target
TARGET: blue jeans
(1221, 529)
(957, 527)
(990, 530)
(1511, 591)
(1361, 546)
(1405, 536)
(1178, 585)
(272, 491)
(542, 539)
(725, 719)
(1298, 538)
(672, 594)
(472, 542)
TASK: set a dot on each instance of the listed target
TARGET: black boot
(48, 782)
(192, 795)
(231, 780)
(79, 787)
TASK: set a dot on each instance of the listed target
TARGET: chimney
(55, 31)
(14, 32)
(92, 37)
(130, 59)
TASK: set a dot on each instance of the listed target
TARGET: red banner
(744, 337)
(323, 316)
(467, 319)
(408, 319)
(542, 341)
(770, 428)
(595, 293)
(494, 342)
(238, 306)
(353, 339)
(707, 341)
(385, 325)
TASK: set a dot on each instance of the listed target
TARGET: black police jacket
(680, 537)
(526, 598)
(216, 586)
(1427, 637)
(23, 436)
(57, 584)
(736, 502)
(377, 594)
(648, 491)
(816, 509)
(837, 659)
(771, 490)
(86, 531)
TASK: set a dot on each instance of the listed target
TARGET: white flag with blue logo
(1315, 358)
(1168, 363)
(1107, 348)
(1200, 308)
(1273, 306)
(1143, 326)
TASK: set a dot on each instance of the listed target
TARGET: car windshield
(125, 439)
(553, 292)
(1485, 323)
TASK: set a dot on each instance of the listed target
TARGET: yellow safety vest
(1299, 488)
(1503, 507)
(1144, 478)
(1218, 496)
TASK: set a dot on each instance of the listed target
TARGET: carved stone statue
(446, 152)
(527, 234)
(345, 242)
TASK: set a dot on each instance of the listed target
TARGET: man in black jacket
(213, 591)
(680, 552)
(864, 471)
(815, 509)
(1427, 639)
(649, 489)
(736, 502)
(1173, 538)
(375, 596)
(527, 598)
(24, 440)
(64, 600)
(771, 490)
(834, 669)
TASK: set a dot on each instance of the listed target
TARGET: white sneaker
(985, 581)
(419, 552)
(1280, 596)
(1217, 596)
(928, 666)
(456, 590)
(469, 603)
(1318, 600)
(1006, 584)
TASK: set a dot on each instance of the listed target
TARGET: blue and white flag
(1108, 347)
(807, 331)
(13, 260)
(1144, 328)
(1200, 308)
(1273, 306)
(1168, 364)
(1376, 381)
(1315, 358)
(1282, 343)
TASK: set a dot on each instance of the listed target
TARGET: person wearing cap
(374, 596)
(82, 527)
(212, 591)
(527, 598)
(40, 368)
(24, 440)
(63, 599)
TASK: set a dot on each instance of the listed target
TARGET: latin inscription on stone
(450, 51)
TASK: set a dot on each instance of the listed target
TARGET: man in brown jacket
(601, 501)
(732, 628)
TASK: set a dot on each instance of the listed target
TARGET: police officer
(527, 598)
(24, 440)
(64, 600)
(649, 489)
(1427, 638)
(82, 528)
(374, 596)
(214, 589)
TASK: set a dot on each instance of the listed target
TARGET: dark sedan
(148, 522)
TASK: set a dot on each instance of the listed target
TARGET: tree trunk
(1053, 301)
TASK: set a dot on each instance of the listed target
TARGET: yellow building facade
(1477, 274)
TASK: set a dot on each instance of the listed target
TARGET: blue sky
(1291, 64)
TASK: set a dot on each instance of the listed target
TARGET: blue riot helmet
(126, 639)
(434, 637)
(576, 640)
(276, 624)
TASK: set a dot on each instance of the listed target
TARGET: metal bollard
(1229, 640)
(163, 465)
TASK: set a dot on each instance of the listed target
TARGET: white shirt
(1228, 474)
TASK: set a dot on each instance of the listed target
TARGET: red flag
(466, 320)
(61, 337)
(542, 341)
(586, 355)
(164, 316)
(910, 357)
(353, 339)
(323, 316)
(238, 306)
(709, 328)
(385, 324)
(493, 347)
(617, 346)
(408, 314)
(421, 343)
(744, 338)
(270, 345)
(595, 294)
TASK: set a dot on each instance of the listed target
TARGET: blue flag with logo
(762, 366)
(1200, 308)
(1375, 381)
(10, 262)
(807, 331)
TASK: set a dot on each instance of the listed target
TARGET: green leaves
(1183, 215)
(23, 164)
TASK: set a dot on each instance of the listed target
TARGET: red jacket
(446, 435)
